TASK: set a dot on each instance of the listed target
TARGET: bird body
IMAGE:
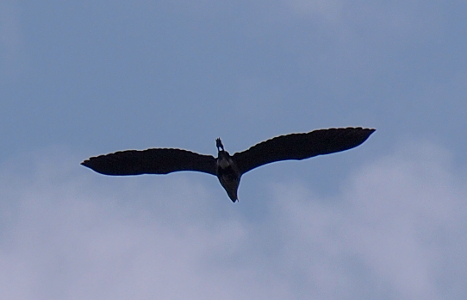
(227, 171)
(227, 168)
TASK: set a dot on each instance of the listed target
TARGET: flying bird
(229, 168)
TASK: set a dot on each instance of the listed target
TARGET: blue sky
(386, 220)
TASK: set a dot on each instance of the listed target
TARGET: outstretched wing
(151, 161)
(301, 146)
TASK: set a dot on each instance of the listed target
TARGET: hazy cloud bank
(396, 230)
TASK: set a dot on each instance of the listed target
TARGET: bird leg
(219, 144)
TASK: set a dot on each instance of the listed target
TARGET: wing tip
(368, 131)
(371, 130)
(362, 134)
(88, 164)
(96, 165)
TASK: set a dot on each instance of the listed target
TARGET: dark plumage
(227, 168)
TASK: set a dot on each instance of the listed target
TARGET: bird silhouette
(229, 168)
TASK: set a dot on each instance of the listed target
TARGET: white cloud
(400, 221)
(395, 231)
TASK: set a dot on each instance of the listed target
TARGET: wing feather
(300, 146)
(151, 161)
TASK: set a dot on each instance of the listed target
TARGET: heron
(229, 168)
